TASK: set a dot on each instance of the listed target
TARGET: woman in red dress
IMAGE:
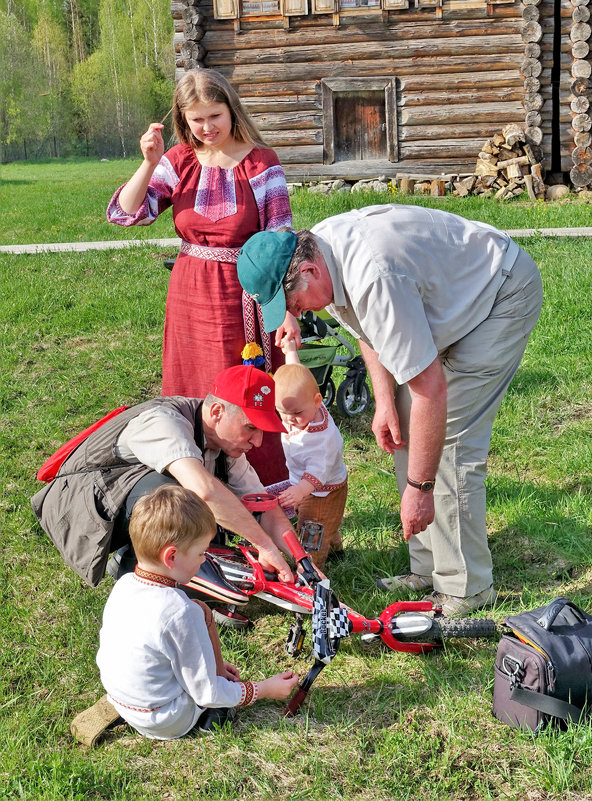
(224, 185)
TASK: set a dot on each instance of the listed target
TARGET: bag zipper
(549, 665)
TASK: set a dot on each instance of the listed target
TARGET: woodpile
(509, 164)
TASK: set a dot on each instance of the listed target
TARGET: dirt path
(63, 247)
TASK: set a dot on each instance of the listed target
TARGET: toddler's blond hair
(295, 380)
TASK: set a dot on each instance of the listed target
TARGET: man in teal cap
(442, 308)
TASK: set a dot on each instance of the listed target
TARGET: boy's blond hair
(169, 515)
(295, 380)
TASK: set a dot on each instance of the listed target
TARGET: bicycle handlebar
(294, 545)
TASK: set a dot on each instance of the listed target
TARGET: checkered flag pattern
(339, 624)
(330, 623)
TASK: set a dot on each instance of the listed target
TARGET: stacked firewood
(508, 164)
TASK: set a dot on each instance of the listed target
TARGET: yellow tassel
(251, 351)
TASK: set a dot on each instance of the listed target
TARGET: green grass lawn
(65, 201)
(81, 334)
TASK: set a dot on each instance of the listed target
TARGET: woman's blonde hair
(169, 515)
(209, 86)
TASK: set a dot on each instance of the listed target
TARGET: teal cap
(262, 263)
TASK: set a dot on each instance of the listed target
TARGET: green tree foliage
(18, 82)
(53, 114)
(97, 71)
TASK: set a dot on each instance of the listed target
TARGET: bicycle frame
(238, 574)
(298, 596)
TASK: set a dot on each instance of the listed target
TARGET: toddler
(159, 655)
(314, 454)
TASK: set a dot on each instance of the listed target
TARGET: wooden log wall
(461, 76)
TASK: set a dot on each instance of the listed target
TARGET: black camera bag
(543, 669)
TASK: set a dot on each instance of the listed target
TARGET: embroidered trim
(312, 428)
(227, 255)
(322, 425)
(155, 578)
(134, 708)
(249, 693)
(319, 487)
(216, 193)
(250, 309)
(166, 173)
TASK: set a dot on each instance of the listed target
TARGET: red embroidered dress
(215, 211)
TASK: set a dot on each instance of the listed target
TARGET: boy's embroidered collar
(322, 424)
(156, 578)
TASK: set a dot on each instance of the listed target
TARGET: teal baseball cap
(262, 263)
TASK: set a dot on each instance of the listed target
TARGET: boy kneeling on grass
(159, 655)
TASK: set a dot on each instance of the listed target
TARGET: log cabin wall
(395, 86)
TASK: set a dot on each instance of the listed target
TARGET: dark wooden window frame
(332, 86)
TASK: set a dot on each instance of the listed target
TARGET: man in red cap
(199, 444)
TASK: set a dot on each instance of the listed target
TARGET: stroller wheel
(329, 392)
(347, 402)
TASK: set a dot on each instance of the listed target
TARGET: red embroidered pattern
(312, 428)
(216, 193)
(155, 578)
(249, 307)
(318, 487)
(226, 255)
(322, 424)
(249, 693)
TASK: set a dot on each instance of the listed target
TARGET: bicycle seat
(210, 584)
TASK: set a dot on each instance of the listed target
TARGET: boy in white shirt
(159, 657)
(313, 448)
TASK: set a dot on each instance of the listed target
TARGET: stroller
(353, 395)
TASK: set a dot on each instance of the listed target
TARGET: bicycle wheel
(347, 402)
(446, 628)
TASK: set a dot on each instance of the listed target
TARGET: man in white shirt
(442, 308)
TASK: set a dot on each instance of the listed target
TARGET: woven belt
(228, 255)
(251, 310)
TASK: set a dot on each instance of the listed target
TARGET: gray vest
(79, 507)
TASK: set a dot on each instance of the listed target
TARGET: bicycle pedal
(295, 639)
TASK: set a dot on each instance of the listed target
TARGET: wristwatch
(424, 486)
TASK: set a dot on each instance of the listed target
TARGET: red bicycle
(232, 574)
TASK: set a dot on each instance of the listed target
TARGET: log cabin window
(359, 119)
(233, 9)
(359, 3)
(258, 8)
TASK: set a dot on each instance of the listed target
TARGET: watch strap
(424, 486)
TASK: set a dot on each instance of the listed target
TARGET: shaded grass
(81, 334)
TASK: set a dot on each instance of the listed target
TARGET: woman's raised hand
(152, 143)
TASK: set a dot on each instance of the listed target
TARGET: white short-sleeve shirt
(410, 281)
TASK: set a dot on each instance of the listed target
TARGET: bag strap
(547, 704)
(546, 620)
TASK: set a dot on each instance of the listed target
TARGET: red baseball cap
(253, 390)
